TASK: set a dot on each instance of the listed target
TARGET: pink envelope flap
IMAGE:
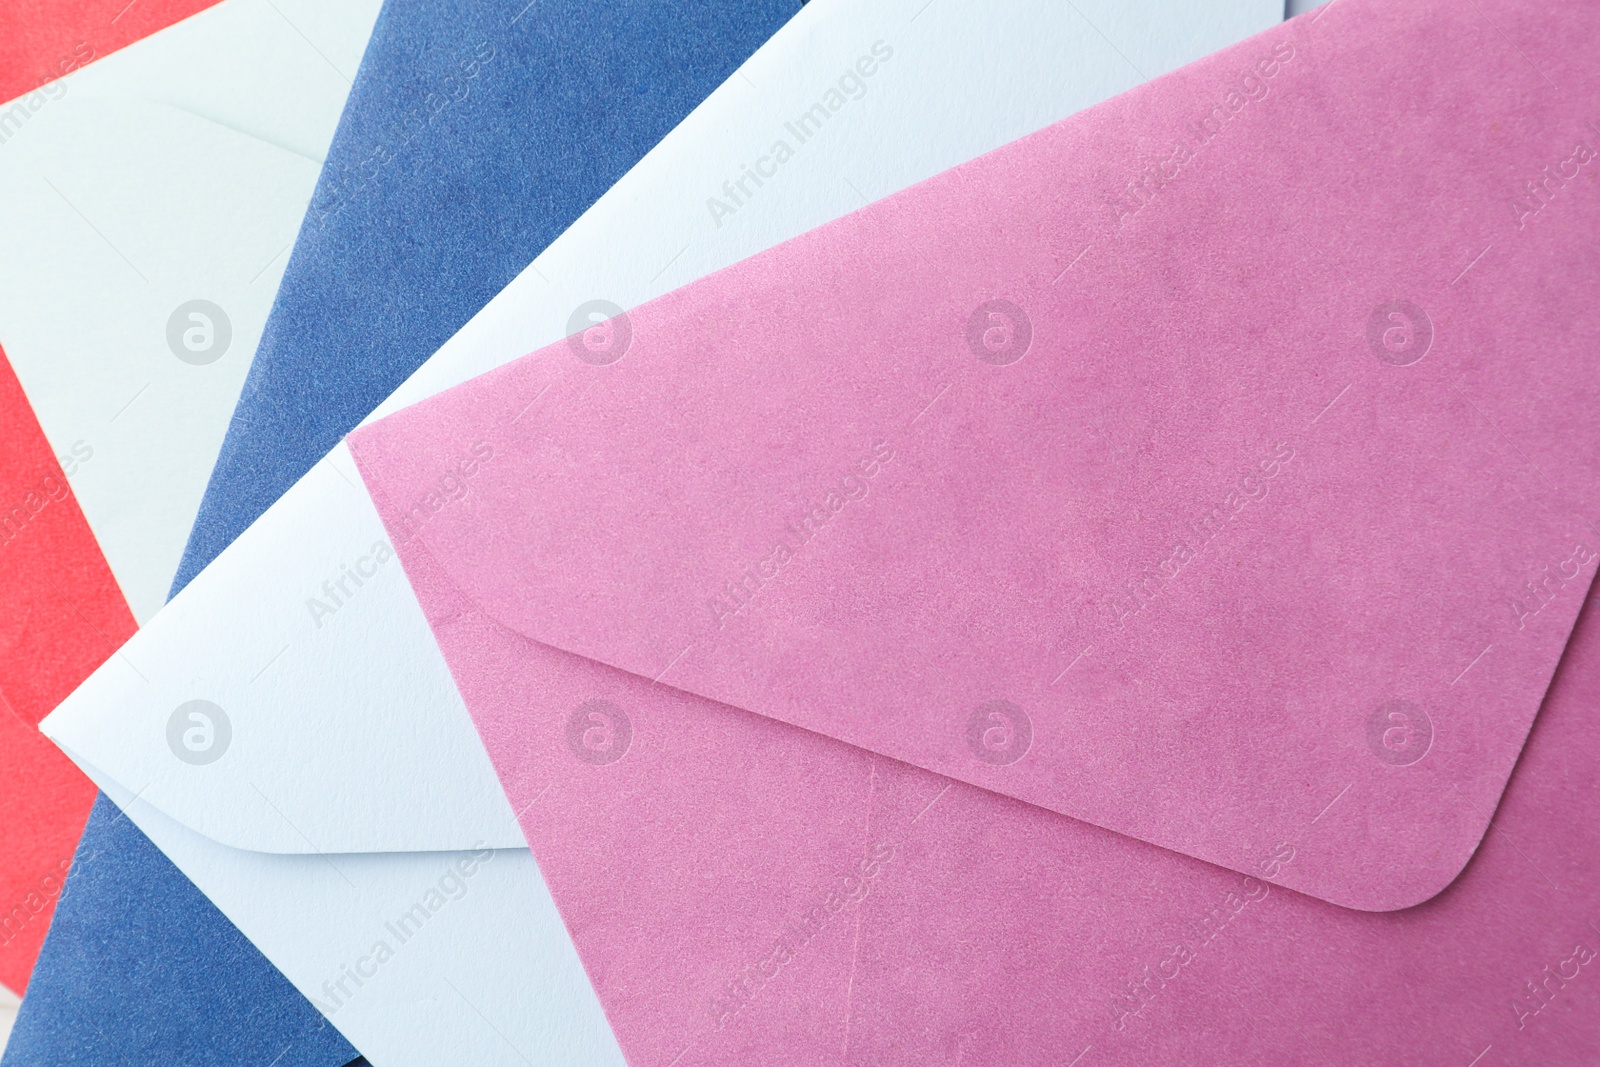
(743, 891)
(1213, 467)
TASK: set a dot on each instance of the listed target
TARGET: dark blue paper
(476, 132)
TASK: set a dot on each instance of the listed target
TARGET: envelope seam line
(325, 857)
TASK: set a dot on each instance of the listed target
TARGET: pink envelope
(746, 892)
(1213, 467)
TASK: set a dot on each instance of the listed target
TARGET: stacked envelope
(880, 532)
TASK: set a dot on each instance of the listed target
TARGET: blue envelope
(476, 132)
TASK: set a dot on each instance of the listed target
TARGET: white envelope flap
(320, 718)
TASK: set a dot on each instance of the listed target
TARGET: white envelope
(353, 780)
(151, 200)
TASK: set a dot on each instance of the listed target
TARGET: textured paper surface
(108, 1000)
(107, 141)
(746, 891)
(61, 615)
(1136, 503)
(435, 197)
(961, 85)
(154, 194)
(334, 651)
(43, 40)
(9, 1003)
(480, 957)
(355, 663)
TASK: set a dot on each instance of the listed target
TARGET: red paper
(61, 613)
(61, 616)
(42, 40)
